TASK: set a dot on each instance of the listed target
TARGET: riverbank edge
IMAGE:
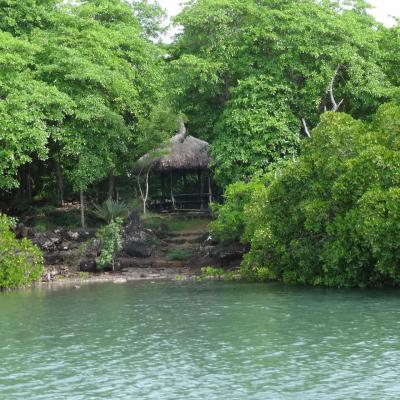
(119, 278)
(109, 277)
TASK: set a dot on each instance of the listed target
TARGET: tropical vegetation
(299, 101)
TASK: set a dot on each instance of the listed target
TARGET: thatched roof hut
(181, 155)
(183, 152)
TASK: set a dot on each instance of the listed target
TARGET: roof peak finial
(182, 127)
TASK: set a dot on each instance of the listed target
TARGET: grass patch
(151, 221)
(50, 218)
(179, 255)
(83, 275)
(152, 241)
(179, 224)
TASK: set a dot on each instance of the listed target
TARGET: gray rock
(87, 265)
(46, 241)
(136, 239)
(137, 249)
(73, 235)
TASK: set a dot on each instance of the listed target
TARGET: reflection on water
(199, 341)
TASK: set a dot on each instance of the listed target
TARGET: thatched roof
(183, 152)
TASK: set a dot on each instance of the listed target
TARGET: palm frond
(110, 210)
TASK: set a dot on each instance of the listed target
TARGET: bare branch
(306, 129)
(335, 106)
(144, 194)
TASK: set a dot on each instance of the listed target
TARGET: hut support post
(172, 193)
(201, 180)
(209, 189)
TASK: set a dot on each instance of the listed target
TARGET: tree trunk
(25, 190)
(82, 198)
(144, 194)
(111, 185)
(60, 183)
(28, 184)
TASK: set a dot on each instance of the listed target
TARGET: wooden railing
(182, 202)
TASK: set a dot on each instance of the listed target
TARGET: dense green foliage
(230, 225)
(21, 262)
(332, 216)
(247, 71)
(28, 107)
(85, 90)
(77, 79)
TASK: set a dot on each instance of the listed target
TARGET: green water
(199, 341)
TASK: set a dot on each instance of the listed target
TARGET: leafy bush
(110, 245)
(21, 262)
(333, 217)
(229, 227)
(110, 210)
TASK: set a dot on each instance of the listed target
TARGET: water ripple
(182, 341)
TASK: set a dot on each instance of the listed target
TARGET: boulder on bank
(87, 262)
(136, 240)
(61, 239)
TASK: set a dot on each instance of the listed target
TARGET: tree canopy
(244, 67)
(76, 79)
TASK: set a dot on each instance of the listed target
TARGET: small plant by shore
(111, 244)
(83, 275)
(218, 274)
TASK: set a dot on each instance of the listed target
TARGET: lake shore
(138, 274)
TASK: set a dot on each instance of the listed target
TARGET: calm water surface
(199, 341)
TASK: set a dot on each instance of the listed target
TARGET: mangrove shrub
(333, 216)
(21, 262)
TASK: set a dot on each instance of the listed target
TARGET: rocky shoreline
(147, 254)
